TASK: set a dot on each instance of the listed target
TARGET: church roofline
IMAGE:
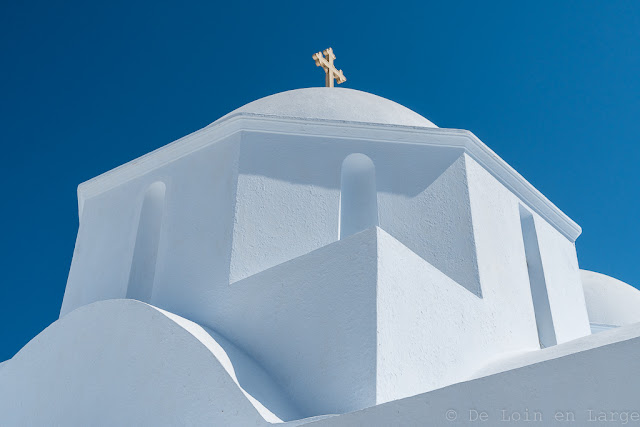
(399, 134)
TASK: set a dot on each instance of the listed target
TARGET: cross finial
(330, 70)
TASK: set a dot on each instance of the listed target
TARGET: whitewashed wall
(249, 245)
(123, 362)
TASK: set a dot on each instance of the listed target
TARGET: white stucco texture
(249, 244)
(610, 301)
(320, 251)
(123, 362)
(318, 337)
(341, 104)
(585, 382)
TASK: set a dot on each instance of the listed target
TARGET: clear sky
(552, 87)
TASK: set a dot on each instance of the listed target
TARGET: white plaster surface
(317, 337)
(427, 325)
(337, 134)
(293, 316)
(122, 362)
(358, 195)
(537, 280)
(566, 297)
(195, 241)
(432, 215)
(586, 378)
(365, 320)
(502, 262)
(342, 104)
(285, 212)
(610, 301)
(249, 246)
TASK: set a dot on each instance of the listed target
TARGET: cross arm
(320, 61)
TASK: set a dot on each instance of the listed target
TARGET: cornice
(396, 134)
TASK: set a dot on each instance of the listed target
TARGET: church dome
(323, 103)
(610, 301)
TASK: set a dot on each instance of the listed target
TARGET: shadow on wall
(143, 263)
(358, 195)
(539, 295)
(255, 380)
(296, 196)
(400, 169)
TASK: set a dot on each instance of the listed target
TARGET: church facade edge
(345, 130)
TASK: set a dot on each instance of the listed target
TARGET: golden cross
(331, 72)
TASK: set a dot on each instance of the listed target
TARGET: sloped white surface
(517, 360)
(590, 379)
(123, 362)
(610, 301)
(322, 103)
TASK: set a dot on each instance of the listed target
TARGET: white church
(327, 257)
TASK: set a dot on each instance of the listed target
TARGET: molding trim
(394, 134)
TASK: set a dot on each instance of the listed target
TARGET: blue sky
(552, 87)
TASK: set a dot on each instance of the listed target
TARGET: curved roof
(610, 301)
(210, 381)
(324, 103)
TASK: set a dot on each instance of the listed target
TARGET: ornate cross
(330, 70)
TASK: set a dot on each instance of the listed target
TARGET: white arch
(143, 263)
(358, 195)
